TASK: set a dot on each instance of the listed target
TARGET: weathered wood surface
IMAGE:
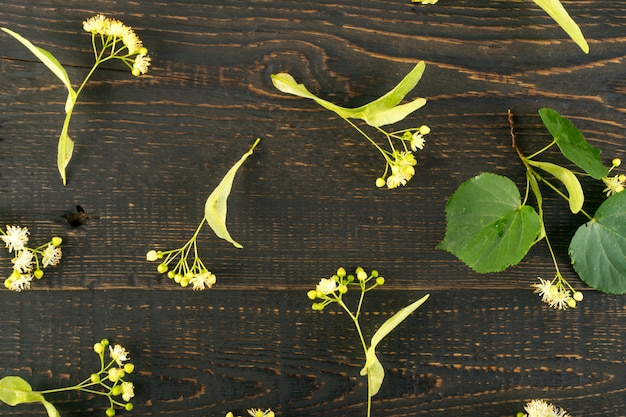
(150, 149)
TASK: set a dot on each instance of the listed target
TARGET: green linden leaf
(598, 248)
(382, 111)
(567, 177)
(557, 12)
(215, 207)
(573, 144)
(373, 368)
(488, 228)
(51, 62)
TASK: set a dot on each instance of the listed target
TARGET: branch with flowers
(399, 162)
(110, 39)
(332, 290)
(215, 209)
(109, 381)
(489, 226)
(26, 262)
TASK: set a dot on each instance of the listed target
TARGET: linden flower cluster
(111, 377)
(557, 293)
(255, 412)
(400, 164)
(183, 273)
(616, 183)
(111, 32)
(331, 290)
(540, 408)
(27, 263)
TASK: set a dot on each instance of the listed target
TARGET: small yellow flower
(614, 184)
(554, 295)
(51, 256)
(128, 391)
(202, 280)
(96, 24)
(118, 354)
(327, 286)
(141, 64)
(23, 262)
(257, 412)
(15, 238)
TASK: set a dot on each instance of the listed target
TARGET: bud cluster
(332, 289)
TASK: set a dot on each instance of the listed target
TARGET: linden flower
(401, 169)
(118, 354)
(15, 238)
(257, 412)
(18, 282)
(614, 184)
(51, 256)
(327, 286)
(128, 391)
(540, 408)
(425, 1)
(556, 296)
(23, 262)
(203, 280)
(96, 24)
(141, 64)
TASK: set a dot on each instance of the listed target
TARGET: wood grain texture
(150, 149)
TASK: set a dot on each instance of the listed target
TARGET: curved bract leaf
(373, 368)
(51, 409)
(556, 11)
(14, 390)
(534, 186)
(380, 112)
(567, 177)
(49, 61)
(598, 248)
(215, 207)
(65, 148)
(573, 144)
(488, 228)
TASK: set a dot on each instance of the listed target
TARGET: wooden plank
(150, 149)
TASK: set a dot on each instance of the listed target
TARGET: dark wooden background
(150, 149)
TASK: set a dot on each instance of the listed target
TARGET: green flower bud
(571, 303)
(374, 273)
(184, 282)
(616, 162)
(578, 296)
(105, 342)
(110, 412)
(162, 268)
(98, 348)
(380, 182)
(380, 281)
(143, 51)
(424, 130)
(151, 255)
(116, 390)
(128, 407)
(7, 283)
(171, 274)
(114, 374)
(312, 294)
(129, 368)
(38, 273)
(56, 241)
(178, 278)
(361, 275)
(343, 289)
(95, 378)
(341, 272)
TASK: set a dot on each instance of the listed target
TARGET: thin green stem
(358, 129)
(560, 193)
(545, 148)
